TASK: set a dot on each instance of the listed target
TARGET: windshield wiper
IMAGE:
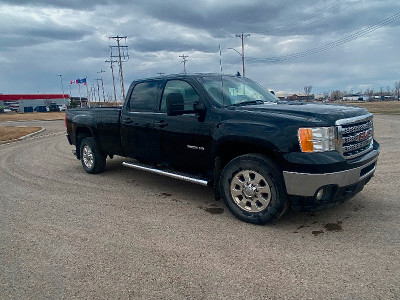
(252, 102)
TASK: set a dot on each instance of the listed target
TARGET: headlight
(317, 139)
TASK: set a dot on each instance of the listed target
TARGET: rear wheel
(93, 161)
(253, 189)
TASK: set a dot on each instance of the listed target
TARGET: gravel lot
(127, 234)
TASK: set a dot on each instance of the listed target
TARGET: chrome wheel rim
(250, 191)
(87, 156)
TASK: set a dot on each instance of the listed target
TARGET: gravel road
(127, 234)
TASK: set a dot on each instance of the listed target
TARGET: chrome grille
(354, 136)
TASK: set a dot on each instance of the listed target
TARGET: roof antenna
(238, 74)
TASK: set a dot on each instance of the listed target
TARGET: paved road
(126, 234)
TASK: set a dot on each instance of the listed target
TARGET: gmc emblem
(362, 136)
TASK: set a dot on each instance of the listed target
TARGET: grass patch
(32, 116)
(13, 133)
(378, 107)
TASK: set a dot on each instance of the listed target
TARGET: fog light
(319, 195)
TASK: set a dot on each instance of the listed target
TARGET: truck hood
(314, 112)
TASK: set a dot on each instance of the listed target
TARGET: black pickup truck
(259, 153)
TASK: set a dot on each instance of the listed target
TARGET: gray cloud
(44, 38)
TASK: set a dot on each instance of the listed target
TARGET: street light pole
(242, 59)
(62, 86)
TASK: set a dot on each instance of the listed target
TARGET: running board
(173, 174)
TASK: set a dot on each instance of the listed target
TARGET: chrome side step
(173, 174)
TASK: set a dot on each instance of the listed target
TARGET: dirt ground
(130, 234)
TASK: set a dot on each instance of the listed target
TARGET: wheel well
(81, 133)
(230, 150)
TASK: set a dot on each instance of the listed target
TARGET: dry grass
(378, 107)
(12, 133)
(32, 116)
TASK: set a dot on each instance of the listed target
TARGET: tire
(253, 189)
(93, 160)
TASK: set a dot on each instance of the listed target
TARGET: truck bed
(103, 124)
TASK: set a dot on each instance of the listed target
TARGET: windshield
(229, 90)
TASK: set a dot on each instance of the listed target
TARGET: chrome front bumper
(307, 184)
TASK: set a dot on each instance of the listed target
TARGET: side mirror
(199, 107)
(175, 105)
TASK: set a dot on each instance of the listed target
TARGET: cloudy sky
(330, 44)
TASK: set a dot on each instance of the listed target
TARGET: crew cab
(261, 155)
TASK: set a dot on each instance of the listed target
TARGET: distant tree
(336, 95)
(307, 89)
(369, 93)
(73, 103)
(397, 89)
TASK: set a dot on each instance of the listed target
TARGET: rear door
(139, 140)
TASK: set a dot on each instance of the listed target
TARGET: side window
(178, 86)
(144, 96)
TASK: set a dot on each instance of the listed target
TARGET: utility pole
(87, 93)
(243, 36)
(98, 88)
(102, 84)
(62, 86)
(123, 56)
(113, 77)
(184, 61)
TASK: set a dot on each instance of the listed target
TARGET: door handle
(161, 123)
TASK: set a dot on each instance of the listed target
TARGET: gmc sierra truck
(260, 154)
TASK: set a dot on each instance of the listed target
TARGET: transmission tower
(184, 61)
(122, 56)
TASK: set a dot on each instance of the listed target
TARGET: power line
(292, 29)
(330, 45)
(291, 26)
(309, 17)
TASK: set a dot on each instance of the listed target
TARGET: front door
(181, 143)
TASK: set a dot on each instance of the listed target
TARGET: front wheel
(253, 189)
(93, 161)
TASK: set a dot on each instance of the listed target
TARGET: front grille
(355, 136)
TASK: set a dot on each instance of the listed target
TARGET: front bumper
(308, 184)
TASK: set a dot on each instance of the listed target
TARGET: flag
(74, 81)
(83, 80)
